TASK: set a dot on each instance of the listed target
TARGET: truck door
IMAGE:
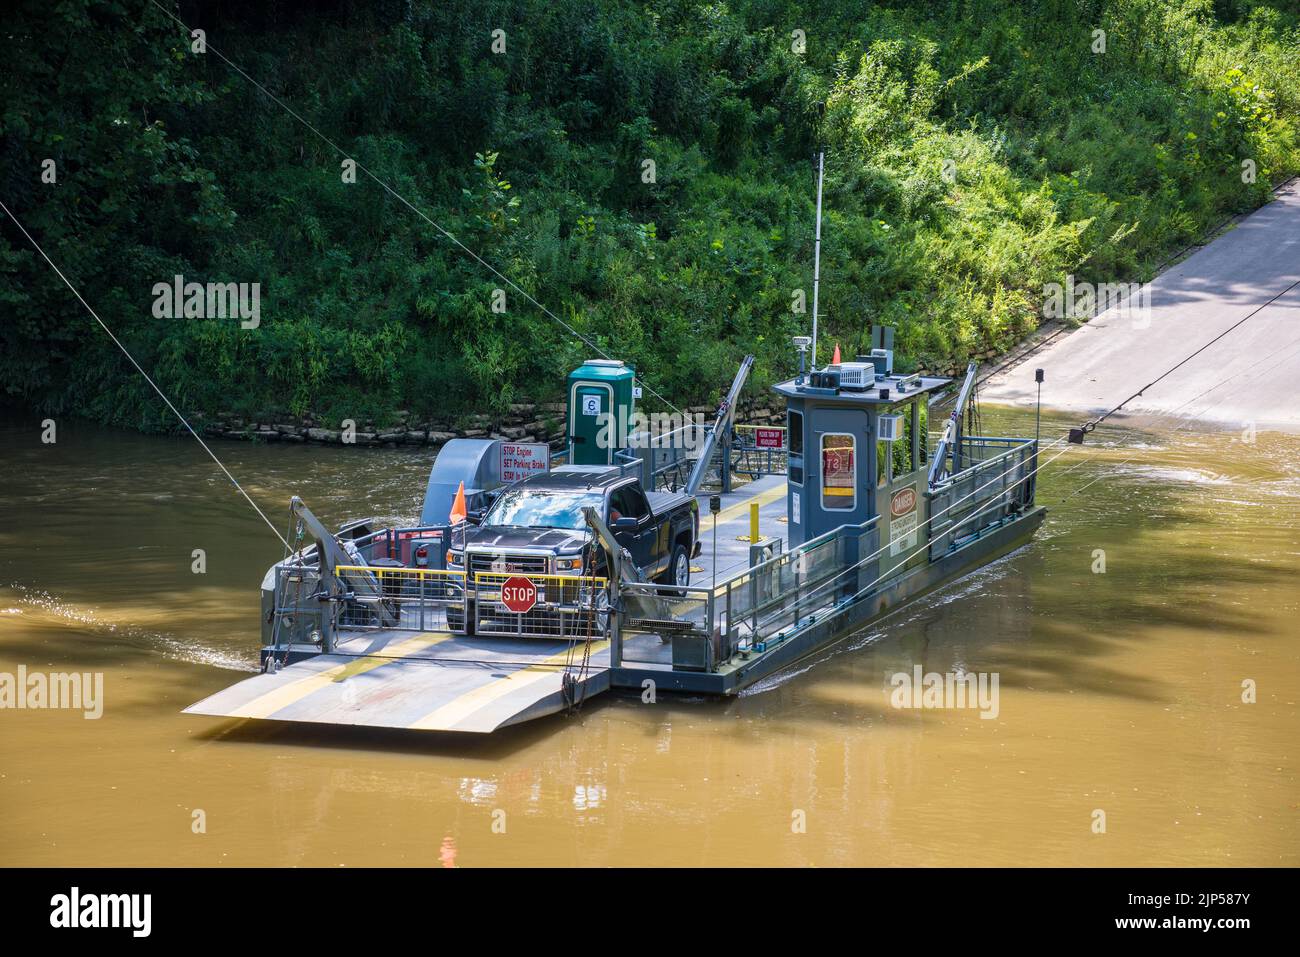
(628, 501)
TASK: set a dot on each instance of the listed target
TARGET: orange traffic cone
(835, 360)
(458, 510)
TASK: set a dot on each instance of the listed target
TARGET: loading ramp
(429, 681)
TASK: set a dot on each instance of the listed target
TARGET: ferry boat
(817, 528)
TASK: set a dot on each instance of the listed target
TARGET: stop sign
(518, 594)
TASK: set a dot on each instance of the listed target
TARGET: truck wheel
(679, 569)
(459, 622)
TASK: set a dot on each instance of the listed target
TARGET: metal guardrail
(568, 606)
(753, 460)
(667, 624)
(748, 611)
(772, 597)
(417, 597)
(691, 628)
(996, 482)
(432, 599)
(670, 467)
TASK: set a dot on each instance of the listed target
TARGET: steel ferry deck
(862, 516)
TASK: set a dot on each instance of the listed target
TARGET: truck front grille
(507, 563)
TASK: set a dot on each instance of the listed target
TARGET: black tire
(679, 569)
(459, 622)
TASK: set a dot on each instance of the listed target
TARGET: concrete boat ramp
(1246, 377)
(440, 681)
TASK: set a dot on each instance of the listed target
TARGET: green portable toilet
(598, 390)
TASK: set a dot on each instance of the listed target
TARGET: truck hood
(549, 539)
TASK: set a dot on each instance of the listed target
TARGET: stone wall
(525, 422)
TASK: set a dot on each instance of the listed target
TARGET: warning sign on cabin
(520, 460)
(903, 501)
(902, 521)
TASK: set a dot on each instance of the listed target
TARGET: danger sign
(904, 501)
(518, 594)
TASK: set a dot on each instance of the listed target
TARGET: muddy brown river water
(1119, 692)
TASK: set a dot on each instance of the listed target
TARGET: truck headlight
(568, 564)
(455, 559)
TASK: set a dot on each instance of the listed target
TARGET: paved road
(1252, 374)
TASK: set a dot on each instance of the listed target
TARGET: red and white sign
(903, 521)
(520, 460)
(904, 501)
(518, 594)
(769, 438)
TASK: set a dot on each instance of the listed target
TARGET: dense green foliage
(1060, 160)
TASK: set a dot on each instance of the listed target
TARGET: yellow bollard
(753, 522)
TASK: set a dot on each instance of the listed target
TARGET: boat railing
(762, 601)
(408, 598)
(666, 624)
(996, 483)
(667, 465)
(420, 599)
(754, 609)
(751, 451)
(758, 450)
(567, 606)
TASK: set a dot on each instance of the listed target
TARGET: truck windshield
(542, 508)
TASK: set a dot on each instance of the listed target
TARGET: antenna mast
(817, 251)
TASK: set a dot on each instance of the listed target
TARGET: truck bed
(661, 503)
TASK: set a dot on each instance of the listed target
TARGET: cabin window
(920, 427)
(905, 451)
(839, 471)
(884, 463)
(794, 445)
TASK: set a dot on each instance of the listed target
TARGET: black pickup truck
(536, 528)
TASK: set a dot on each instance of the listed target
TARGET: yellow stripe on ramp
(266, 705)
(742, 507)
(449, 715)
